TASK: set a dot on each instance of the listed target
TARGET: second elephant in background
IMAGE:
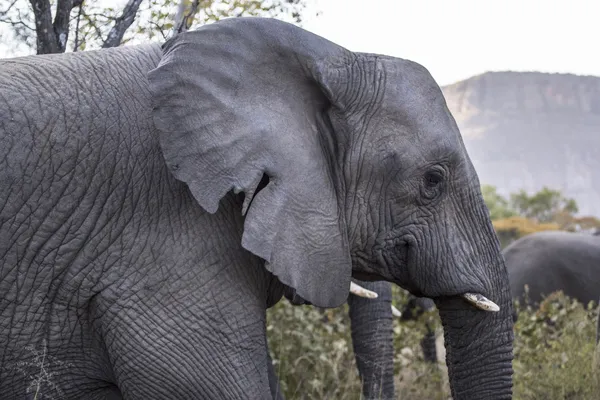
(372, 340)
(554, 260)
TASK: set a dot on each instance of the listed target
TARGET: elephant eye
(433, 178)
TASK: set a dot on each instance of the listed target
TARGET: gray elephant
(154, 203)
(554, 260)
(372, 339)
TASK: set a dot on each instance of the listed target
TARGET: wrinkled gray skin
(372, 339)
(554, 260)
(133, 268)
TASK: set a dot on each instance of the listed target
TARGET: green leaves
(554, 347)
(542, 206)
(497, 204)
(522, 214)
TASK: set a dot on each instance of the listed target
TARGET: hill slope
(526, 130)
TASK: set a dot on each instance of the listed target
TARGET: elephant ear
(243, 98)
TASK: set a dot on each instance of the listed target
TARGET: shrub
(554, 347)
(554, 353)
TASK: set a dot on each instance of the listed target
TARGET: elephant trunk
(372, 338)
(479, 343)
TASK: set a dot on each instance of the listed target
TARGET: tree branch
(122, 23)
(185, 16)
(92, 23)
(3, 13)
(76, 44)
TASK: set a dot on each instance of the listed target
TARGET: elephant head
(351, 165)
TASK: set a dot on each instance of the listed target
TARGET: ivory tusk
(396, 312)
(481, 302)
(361, 291)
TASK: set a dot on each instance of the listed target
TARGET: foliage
(496, 203)
(313, 355)
(524, 214)
(554, 348)
(542, 206)
(547, 205)
(60, 25)
(569, 222)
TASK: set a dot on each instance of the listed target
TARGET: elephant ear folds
(235, 100)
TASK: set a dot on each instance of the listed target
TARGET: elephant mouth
(477, 300)
(401, 249)
(367, 276)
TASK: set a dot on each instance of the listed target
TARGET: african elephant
(372, 339)
(155, 201)
(554, 260)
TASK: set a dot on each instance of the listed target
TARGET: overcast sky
(456, 39)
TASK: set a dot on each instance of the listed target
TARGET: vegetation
(522, 214)
(56, 26)
(542, 206)
(554, 353)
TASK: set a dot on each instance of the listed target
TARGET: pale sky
(456, 39)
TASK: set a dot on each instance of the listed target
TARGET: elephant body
(155, 202)
(109, 290)
(555, 260)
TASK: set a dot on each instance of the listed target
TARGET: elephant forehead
(393, 135)
(413, 104)
(410, 86)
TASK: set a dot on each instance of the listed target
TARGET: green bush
(554, 347)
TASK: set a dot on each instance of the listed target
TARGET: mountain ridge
(526, 130)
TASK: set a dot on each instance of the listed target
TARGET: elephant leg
(372, 338)
(274, 380)
(428, 346)
(194, 345)
(415, 307)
